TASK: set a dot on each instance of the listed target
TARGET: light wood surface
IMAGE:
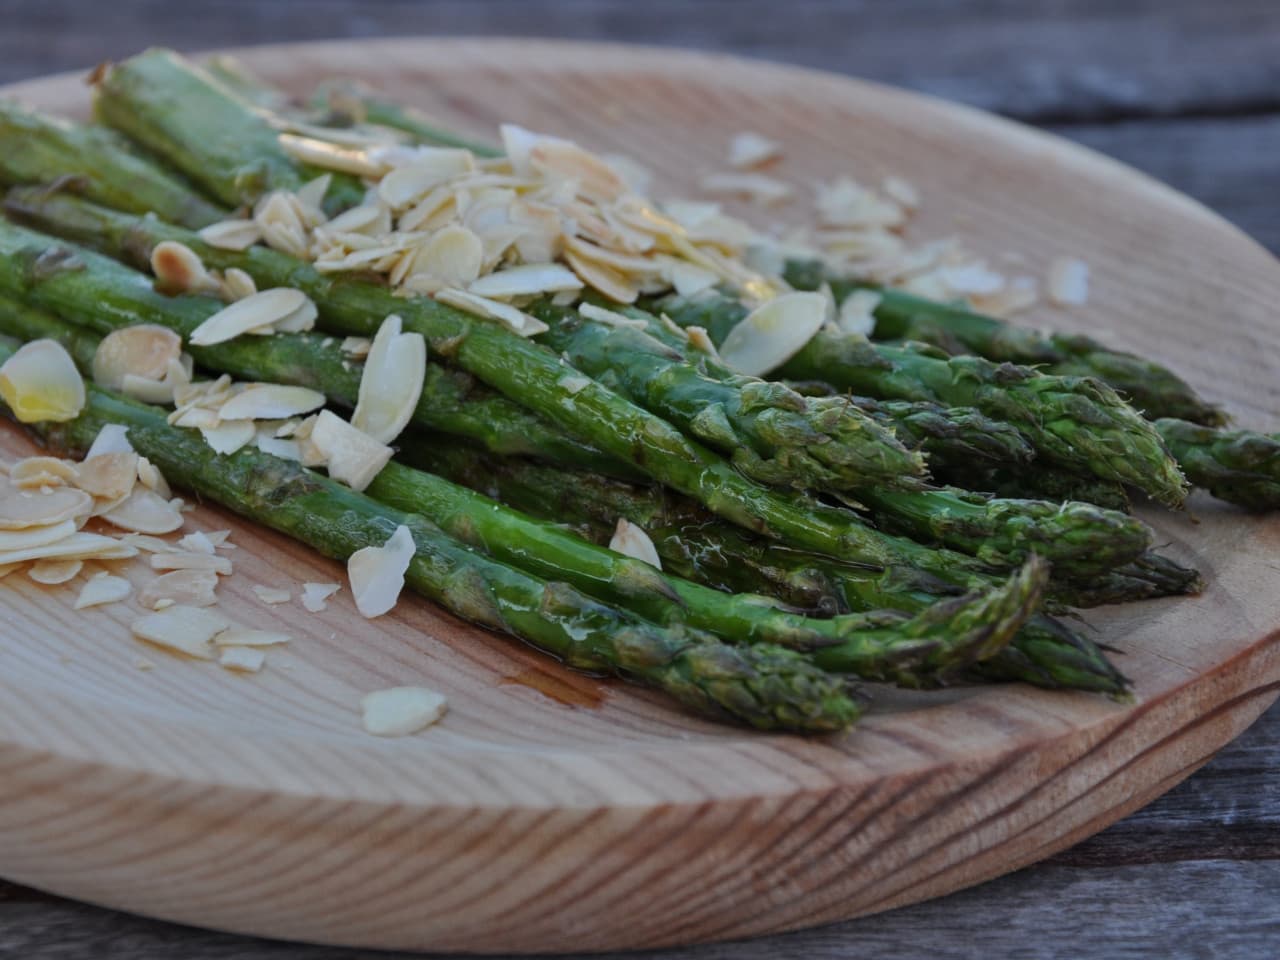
(525, 822)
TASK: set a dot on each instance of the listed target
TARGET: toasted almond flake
(749, 149)
(227, 438)
(197, 542)
(690, 279)
(565, 298)
(527, 280)
(562, 160)
(452, 257)
(103, 589)
(151, 478)
(231, 234)
(159, 392)
(284, 449)
(357, 347)
(700, 340)
(377, 573)
(148, 543)
(355, 219)
(391, 382)
(24, 539)
(314, 595)
(237, 285)
(35, 472)
(330, 156)
(406, 185)
(971, 278)
(902, 191)
(53, 572)
(181, 629)
(270, 401)
(195, 418)
(238, 636)
(241, 659)
(109, 476)
(145, 511)
(846, 203)
(857, 312)
(40, 383)
(193, 588)
(604, 279)
(262, 309)
(1068, 284)
(78, 546)
(401, 711)
(753, 186)
(611, 317)
(191, 561)
(630, 540)
(112, 438)
(351, 456)
(574, 384)
(178, 269)
(774, 332)
(20, 509)
(517, 321)
(311, 196)
(299, 321)
(271, 595)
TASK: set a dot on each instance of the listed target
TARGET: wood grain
(523, 823)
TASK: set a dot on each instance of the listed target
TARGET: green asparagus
(1239, 466)
(766, 687)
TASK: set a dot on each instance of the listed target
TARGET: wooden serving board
(552, 812)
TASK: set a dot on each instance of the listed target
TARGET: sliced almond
(517, 321)
(631, 540)
(690, 279)
(242, 659)
(749, 149)
(53, 572)
(148, 543)
(1068, 284)
(109, 476)
(271, 595)
(528, 280)
(270, 401)
(406, 185)
(377, 573)
(41, 384)
(753, 186)
(181, 629)
(197, 542)
(24, 539)
(299, 321)
(401, 711)
(78, 546)
(451, 258)
(357, 347)
(351, 456)
(178, 269)
(773, 333)
(284, 449)
(237, 284)
(36, 472)
(612, 317)
(391, 383)
(112, 438)
(591, 177)
(573, 384)
(315, 595)
(857, 312)
(150, 477)
(145, 511)
(231, 234)
(237, 636)
(20, 509)
(103, 589)
(193, 588)
(184, 560)
(262, 309)
(331, 156)
(607, 280)
(228, 437)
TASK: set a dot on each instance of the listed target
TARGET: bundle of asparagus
(761, 538)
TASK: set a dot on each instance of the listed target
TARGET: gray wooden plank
(1184, 910)
(1035, 59)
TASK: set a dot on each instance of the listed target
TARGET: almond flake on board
(755, 187)
(191, 561)
(145, 511)
(197, 542)
(1068, 284)
(271, 595)
(53, 572)
(40, 383)
(316, 595)
(238, 636)
(391, 382)
(102, 589)
(36, 472)
(20, 509)
(182, 629)
(193, 588)
(632, 541)
(748, 149)
(401, 711)
(241, 659)
(377, 573)
(28, 537)
(108, 476)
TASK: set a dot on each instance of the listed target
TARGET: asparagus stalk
(105, 295)
(527, 372)
(1035, 481)
(949, 434)
(766, 687)
(183, 115)
(1239, 466)
(1075, 421)
(1149, 386)
(346, 103)
(769, 432)
(38, 149)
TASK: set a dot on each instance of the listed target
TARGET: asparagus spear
(1149, 386)
(768, 431)
(766, 687)
(1075, 421)
(948, 434)
(105, 295)
(1239, 466)
(183, 115)
(527, 372)
(345, 103)
(37, 149)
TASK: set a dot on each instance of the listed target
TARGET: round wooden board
(551, 812)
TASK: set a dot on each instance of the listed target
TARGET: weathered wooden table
(1185, 90)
